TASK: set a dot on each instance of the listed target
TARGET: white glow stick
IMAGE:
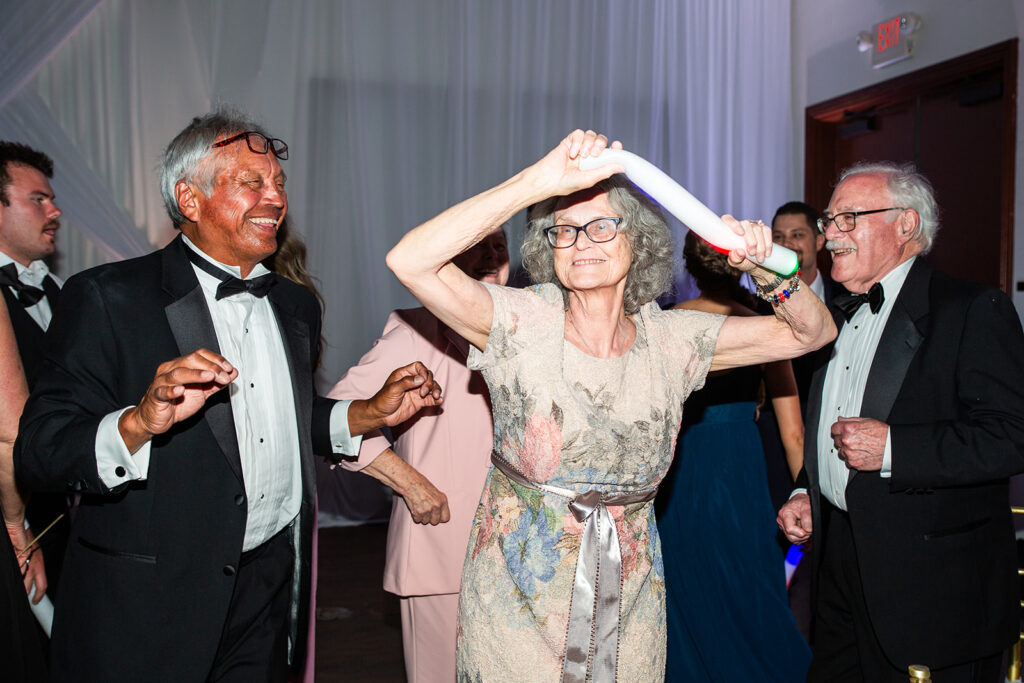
(43, 611)
(687, 208)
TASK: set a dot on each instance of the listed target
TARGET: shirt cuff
(796, 492)
(114, 463)
(342, 441)
(886, 471)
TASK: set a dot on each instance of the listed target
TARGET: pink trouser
(428, 637)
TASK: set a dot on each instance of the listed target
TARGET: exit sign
(892, 41)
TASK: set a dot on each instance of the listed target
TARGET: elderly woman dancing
(563, 576)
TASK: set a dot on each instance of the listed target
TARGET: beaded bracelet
(764, 289)
(776, 299)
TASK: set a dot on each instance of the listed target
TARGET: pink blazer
(450, 445)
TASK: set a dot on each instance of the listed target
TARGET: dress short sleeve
(523, 319)
(686, 340)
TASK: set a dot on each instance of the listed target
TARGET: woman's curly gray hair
(650, 273)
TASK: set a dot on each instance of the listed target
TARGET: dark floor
(359, 630)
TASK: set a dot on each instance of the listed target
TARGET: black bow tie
(849, 303)
(27, 294)
(229, 284)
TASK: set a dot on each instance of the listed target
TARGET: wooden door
(956, 122)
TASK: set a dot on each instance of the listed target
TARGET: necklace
(590, 350)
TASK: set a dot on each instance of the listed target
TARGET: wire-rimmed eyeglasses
(847, 220)
(258, 143)
(598, 230)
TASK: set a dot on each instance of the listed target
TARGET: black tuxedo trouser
(845, 647)
(254, 644)
(21, 652)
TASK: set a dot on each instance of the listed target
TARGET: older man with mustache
(915, 423)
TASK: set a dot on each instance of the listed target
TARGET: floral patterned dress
(569, 420)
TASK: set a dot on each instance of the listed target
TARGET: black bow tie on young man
(27, 294)
(849, 303)
(231, 285)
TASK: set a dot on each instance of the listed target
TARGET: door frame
(821, 129)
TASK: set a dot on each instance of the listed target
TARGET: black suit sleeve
(982, 439)
(802, 480)
(322, 406)
(55, 449)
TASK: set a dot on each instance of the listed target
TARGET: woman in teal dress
(563, 577)
(727, 607)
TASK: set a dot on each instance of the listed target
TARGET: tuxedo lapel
(899, 342)
(192, 326)
(896, 347)
(297, 345)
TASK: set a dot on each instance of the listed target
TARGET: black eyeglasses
(258, 143)
(847, 220)
(598, 230)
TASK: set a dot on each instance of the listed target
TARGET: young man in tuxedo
(29, 220)
(914, 425)
(176, 395)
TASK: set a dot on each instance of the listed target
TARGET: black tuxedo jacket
(150, 567)
(935, 542)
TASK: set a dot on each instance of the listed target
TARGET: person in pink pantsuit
(437, 465)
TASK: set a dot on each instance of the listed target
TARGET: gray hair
(909, 189)
(650, 273)
(188, 156)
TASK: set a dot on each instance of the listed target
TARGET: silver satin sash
(593, 635)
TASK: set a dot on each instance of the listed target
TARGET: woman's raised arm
(801, 322)
(422, 259)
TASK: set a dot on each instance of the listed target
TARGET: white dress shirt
(262, 404)
(846, 377)
(818, 286)
(34, 274)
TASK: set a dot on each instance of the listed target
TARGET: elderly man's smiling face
(879, 243)
(237, 224)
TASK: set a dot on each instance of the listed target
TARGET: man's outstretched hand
(405, 392)
(179, 389)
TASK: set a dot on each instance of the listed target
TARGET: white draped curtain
(393, 110)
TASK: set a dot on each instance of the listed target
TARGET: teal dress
(728, 615)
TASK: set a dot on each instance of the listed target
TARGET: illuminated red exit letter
(888, 34)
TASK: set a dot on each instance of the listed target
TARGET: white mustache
(832, 245)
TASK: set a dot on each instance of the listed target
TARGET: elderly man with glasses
(176, 396)
(914, 425)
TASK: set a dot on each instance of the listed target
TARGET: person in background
(29, 221)
(437, 465)
(725, 587)
(914, 427)
(795, 226)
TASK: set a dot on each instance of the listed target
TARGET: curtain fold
(396, 109)
(30, 33)
(87, 203)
